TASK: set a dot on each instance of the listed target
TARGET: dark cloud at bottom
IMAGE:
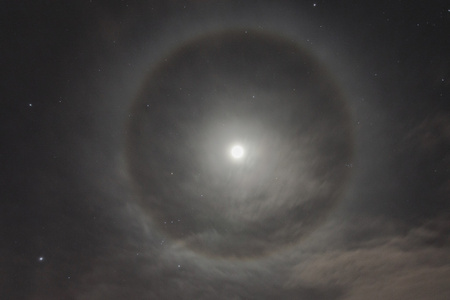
(258, 90)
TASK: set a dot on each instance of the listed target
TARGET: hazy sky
(119, 120)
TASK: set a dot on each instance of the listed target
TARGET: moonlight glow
(237, 151)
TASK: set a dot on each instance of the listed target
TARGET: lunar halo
(245, 85)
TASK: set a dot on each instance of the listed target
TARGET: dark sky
(118, 123)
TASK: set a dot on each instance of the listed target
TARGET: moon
(237, 151)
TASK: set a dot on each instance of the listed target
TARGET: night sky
(225, 150)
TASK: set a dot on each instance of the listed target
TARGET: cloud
(415, 264)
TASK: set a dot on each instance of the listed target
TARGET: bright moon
(237, 151)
